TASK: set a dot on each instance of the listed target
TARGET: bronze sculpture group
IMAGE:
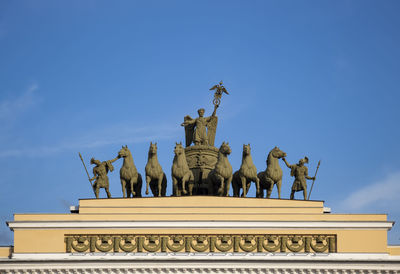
(201, 169)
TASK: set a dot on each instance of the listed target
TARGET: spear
(316, 171)
(80, 156)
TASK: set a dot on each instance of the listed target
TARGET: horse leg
(278, 186)
(128, 190)
(132, 183)
(191, 184)
(153, 188)
(248, 185)
(210, 186)
(228, 185)
(148, 179)
(175, 185)
(271, 186)
(235, 189)
(138, 188)
(262, 183)
(257, 181)
(219, 180)
(164, 186)
(235, 185)
(160, 179)
(123, 184)
(261, 194)
(244, 185)
(185, 178)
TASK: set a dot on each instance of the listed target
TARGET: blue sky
(316, 78)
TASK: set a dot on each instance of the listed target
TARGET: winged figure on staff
(219, 89)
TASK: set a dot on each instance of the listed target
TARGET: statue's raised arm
(212, 123)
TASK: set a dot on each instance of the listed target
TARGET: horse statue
(131, 180)
(245, 175)
(181, 174)
(155, 177)
(272, 174)
(220, 178)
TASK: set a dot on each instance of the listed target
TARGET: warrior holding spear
(300, 173)
(100, 177)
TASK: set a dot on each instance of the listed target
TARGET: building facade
(200, 234)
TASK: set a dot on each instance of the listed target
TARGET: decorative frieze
(250, 270)
(259, 243)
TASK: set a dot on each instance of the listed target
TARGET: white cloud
(381, 194)
(11, 108)
(121, 134)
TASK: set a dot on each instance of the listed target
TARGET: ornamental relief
(201, 161)
(201, 158)
(202, 243)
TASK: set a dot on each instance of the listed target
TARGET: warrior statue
(300, 173)
(100, 175)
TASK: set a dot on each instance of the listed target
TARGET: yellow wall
(201, 208)
(5, 251)
(394, 250)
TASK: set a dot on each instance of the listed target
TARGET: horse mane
(273, 168)
(180, 166)
(247, 168)
(223, 167)
(183, 158)
(128, 168)
(269, 157)
(154, 169)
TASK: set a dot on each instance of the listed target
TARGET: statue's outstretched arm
(113, 160)
(287, 164)
(188, 121)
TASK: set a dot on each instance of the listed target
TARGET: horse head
(178, 149)
(153, 148)
(124, 152)
(225, 149)
(246, 149)
(277, 153)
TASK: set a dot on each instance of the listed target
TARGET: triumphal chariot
(201, 154)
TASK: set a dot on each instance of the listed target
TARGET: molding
(351, 263)
(210, 256)
(201, 243)
(313, 225)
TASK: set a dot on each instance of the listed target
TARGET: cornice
(387, 225)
